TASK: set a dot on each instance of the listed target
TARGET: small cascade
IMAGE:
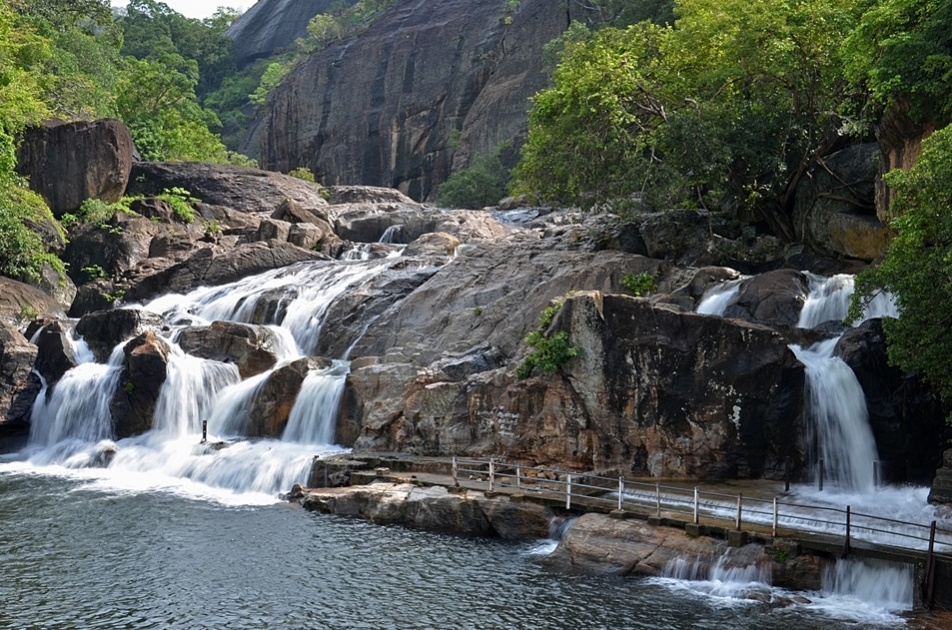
(734, 575)
(78, 406)
(392, 234)
(886, 587)
(829, 300)
(719, 297)
(313, 418)
(234, 404)
(190, 389)
(839, 420)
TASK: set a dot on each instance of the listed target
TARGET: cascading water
(719, 297)
(838, 418)
(72, 425)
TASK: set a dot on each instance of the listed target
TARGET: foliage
(181, 201)
(550, 353)
(729, 106)
(481, 184)
(917, 270)
(22, 254)
(639, 284)
(303, 173)
(269, 80)
(900, 52)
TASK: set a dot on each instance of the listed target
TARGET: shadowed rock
(251, 348)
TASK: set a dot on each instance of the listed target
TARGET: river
(88, 549)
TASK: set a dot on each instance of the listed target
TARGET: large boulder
(251, 348)
(104, 330)
(55, 353)
(68, 163)
(774, 298)
(17, 389)
(403, 223)
(835, 213)
(276, 397)
(238, 187)
(21, 303)
(144, 371)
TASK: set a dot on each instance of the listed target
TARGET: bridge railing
(587, 490)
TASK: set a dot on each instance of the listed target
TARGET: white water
(829, 300)
(719, 297)
(839, 422)
(72, 427)
(392, 234)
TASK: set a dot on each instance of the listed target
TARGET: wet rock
(250, 348)
(68, 163)
(144, 371)
(272, 406)
(18, 390)
(54, 352)
(774, 298)
(513, 520)
(104, 330)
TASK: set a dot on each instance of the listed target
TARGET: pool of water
(76, 552)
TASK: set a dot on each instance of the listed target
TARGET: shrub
(639, 284)
(549, 354)
(482, 184)
(302, 172)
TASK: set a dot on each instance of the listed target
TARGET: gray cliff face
(388, 107)
(271, 26)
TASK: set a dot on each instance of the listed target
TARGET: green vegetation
(549, 353)
(482, 184)
(302, 173)
(181, 201)
(639, 284)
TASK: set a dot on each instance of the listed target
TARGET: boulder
(250, 348)
(293, 212)
(366, 194)
(144, 371)
(240, 188)
(276, 397)
(403, 223)
(834, 211)
(18, 390)
(54, 352)
(68, 163)
(433, 244)
(774, 298)
(272, 229)
(21, 303)
(104, 330)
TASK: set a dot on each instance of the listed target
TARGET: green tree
(482, 184)
(917, 270)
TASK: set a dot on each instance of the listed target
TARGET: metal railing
(587, 490)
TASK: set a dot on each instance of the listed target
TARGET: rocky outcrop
(835, 211)
(111, 248)
(435, 509)
(17, 389)
(900, 137)
(271, 26)
(773, 299)
(431, 73)
(251, 348)
(143, 373)
(20, 303)
(54, 352)
(237, 187)
(104, 330)
(68, 163)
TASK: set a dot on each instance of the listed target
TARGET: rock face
(835, 208)
(17, 389)
(104, 330)
(68, 163)
(271, 26)
(429, 72)
(141, 380)
(20, 303)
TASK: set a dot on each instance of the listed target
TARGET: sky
(197, 8)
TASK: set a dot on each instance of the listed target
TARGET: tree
(917, 270)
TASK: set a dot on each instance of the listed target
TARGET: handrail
(621, 493)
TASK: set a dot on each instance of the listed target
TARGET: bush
(22, 253)
(482, 184)
(549, 354)
(303, 173)
(639, 284)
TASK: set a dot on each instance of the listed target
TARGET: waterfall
(190, 389)
(734, 575)
(314, 415)
(78, 406)
(391, 234)
(718, 297)
(838, 418)
(886, 585)
(829, 300)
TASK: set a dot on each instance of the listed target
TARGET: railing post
(658, 497)
(621, 493)
(568, 492)
(775, 517)
(846, 548)
(930, 568)
(518, 477)
(876, 474)
(492, 474)
(740, 503)
(820, 475)
(455, 471)
(696, 518)
(204, 431)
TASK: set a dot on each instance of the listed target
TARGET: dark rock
(111, 248)
(251, 348)
(54, 353)
(906, 416)
(144, 372)
(448, 80)
(774, 298)
(271, 229)
(153, 208)
(273, 404)
(18, 390)
(241, 188)
(292, 212)
(270, 27)
(517, 520)
(57, 285)
(104, 330)
(835, 211)
(68, 163)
